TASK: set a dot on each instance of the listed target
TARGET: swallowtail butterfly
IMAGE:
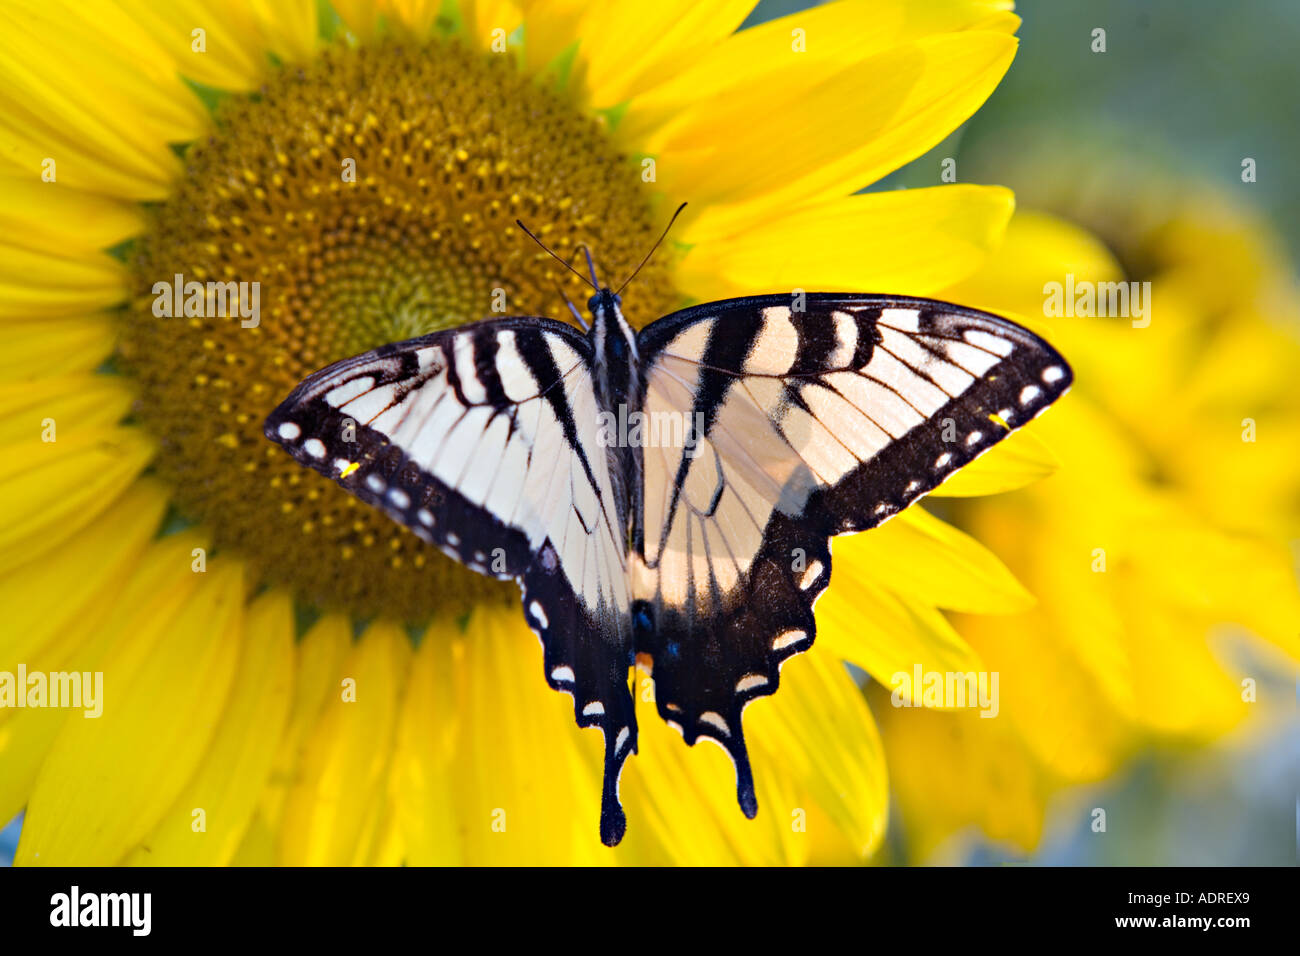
(698, 543)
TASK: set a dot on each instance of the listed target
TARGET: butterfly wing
(482, 440)
(807, 424)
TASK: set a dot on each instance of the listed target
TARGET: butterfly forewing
(482, 440)
(816, 422)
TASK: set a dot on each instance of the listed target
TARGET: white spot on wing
(786, 638)
(289, 431)
(539, 613)
(810, 574)
(988, 342)
(314, 447)
(715, 721)
(749, 682)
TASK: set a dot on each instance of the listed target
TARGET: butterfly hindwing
(810, 423)
(482, 441)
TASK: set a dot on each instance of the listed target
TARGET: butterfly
(666, 498)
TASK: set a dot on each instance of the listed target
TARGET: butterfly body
(697, 545)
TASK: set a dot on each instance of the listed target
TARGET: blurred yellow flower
(277, 697)
(1165, 530)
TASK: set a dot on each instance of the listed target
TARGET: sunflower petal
(35, 349)
(521, 791)
(331, 810)
(45, 599)
(52, 490)
(234, 45)
(909, 242)
(918, 556)
(40, 284)
(850, 130)
(57, 219)
(819, 731)
(628, 47)
(107, 781)
(423, 772)
(232, 774)
(821, 40)
(107, 121)
(74, 636)
(951, 769)
(319, 658)
(881, 632)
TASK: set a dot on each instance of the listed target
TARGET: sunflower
(289, 678)
(1161, 551)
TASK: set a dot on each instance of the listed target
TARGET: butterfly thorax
(613, 344)
(617, 383)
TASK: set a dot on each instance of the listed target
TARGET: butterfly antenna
(572, 308)
(529, 234)
(661, 238)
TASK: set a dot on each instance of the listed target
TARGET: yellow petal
(330, 815)
(360, 17)
(1037, 249)
(417, 15)
(288, 27)
(1050, 700)
(106, 114)
(817, 41)
(951, 770)
(906, 242)
(235, 40)
(423, 771)
(55, 218)
(522, 795)
(482, 17)
(818, 731)
(52, 490)
(843, 134)
(319, 658)
(42, 284)
(551, 27)
(258, 846)
(36, 349)
(681, 802)
(917, 555)
(44, 599)
(881, 632)
(628, 47)
(108, 780)
(74, 625)
(239, 758)
(1020, 459)
(75, 404)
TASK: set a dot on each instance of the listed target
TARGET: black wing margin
(813, 422)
